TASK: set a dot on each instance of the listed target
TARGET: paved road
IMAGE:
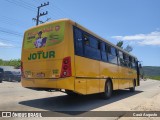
(15, 98)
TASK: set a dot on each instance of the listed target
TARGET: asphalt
(14, 97)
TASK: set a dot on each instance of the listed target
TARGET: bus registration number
(40, 75)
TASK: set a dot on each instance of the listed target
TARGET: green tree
(13, 62)
(120, 44)
(1, 62)
(128, 48)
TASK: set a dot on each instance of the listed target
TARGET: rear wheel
(108, 90)
(132, 89)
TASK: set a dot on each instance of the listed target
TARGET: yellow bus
(64, 56)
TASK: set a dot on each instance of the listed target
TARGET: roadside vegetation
(13, 62)
(154, 77)
(151, 72)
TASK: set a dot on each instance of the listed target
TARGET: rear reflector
(66, 67)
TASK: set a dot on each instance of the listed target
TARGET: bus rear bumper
(49, 84)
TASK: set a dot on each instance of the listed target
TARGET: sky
(135, 22)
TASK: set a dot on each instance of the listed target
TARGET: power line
(58, 12)
(10, 21)
(28, 4)
(4, 30)
(7, 40)
(10, 43)
(18, 3)
(7, 18)
(63, 12)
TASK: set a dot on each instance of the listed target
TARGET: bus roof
(86, 30)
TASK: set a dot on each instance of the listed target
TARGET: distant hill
(151, 70)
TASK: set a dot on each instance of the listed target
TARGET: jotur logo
(39, 55)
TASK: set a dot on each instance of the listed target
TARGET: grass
(154, 77)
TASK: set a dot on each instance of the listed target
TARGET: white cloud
(152, 38)
(5, 45)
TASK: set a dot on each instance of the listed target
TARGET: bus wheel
(108, 90)
(132, 89)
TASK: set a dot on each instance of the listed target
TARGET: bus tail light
(66, 67)
(22, 72)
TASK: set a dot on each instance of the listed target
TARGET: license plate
(40, 75)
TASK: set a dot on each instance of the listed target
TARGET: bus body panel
(102, 85)
(89, 70)
(39, 83)
(81, 86)
(123, 78)
(65, 83)
(42, 70)
(108, 70)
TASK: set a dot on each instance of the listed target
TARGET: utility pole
(41, 14)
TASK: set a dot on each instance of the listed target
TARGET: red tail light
(66, 67)
(22, 72)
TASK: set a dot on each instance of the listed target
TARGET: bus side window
(127, 61)
(108, 49)
(93, 42)
(133, 63)
(130, 61)
(86, 39)
(78, 41)
(112, 57)
(121, 58)
(124, 59)
(113, 51)
(103, 51)
(91, 47)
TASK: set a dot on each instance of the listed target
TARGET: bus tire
(132, 89)
(107, 90)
